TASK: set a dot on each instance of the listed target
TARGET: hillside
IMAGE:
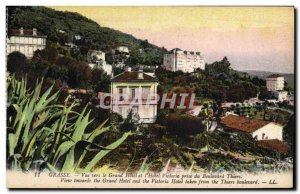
(288, 77)
(218, 82)
(62, 26)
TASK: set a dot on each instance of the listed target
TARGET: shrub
(184, 125)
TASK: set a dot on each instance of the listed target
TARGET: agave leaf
(103, 153)
(63, 149)
(91, 138)
(145, 166)
(45, 102)
(18, 131)
(68, 165)
(32, 141)
(28, 121)
(18, 109)
(80, 126)
(12, 143)
(42, 145)
(97, 131)
(42, 101)
(50, 167)
(41, 118)
(191, 167)
(36, 92)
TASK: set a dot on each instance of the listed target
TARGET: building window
(120, 93)
(133, 92)
(263, 136)
(146, 92)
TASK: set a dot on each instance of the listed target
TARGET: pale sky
(252, 38)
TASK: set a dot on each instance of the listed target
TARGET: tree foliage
(61, 27)
(218, 82)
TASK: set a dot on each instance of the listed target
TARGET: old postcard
(150, 97)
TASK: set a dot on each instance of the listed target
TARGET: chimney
(128, 69)
(34, 33)
(21, 31)
(140, 74)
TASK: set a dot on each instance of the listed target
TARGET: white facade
(98, 61)
(123, 49)
(186, 61)
(141, 99)
(275, 83)
(26, 42)
(269, 131)
(107, 68)
(281, 95)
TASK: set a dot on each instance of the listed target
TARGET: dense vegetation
(61, 27)
(63, 70)
(218, 82)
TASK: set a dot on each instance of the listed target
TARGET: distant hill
(288, 77)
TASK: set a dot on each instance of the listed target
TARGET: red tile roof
(274, 145)
(133, 77)
(26, 32)
(243, 124)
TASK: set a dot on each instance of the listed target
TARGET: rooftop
(133, 76)
(175, 49)
(243, 124)
(184, 51)
(26, 32)
(274, 145)
(274, 76)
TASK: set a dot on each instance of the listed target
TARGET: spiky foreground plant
(42, 134)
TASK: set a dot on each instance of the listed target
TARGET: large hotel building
(186, 61)
(25, 41)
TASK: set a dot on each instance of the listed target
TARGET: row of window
(133, 92)
(27, 40)
(26, 50)
(263, 136)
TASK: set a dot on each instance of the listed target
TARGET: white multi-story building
(97, 59)
(25, 41)
(275, 82)
(97, 56)
(186, 61)
(136, 91)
